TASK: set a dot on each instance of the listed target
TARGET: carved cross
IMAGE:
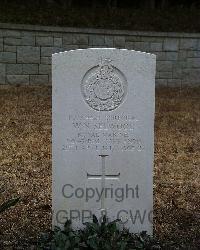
(103, 177)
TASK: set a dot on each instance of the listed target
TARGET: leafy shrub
(186, 20)
(8, 204)
(95, 236)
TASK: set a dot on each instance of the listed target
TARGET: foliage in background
(96, 236)
(174, 18)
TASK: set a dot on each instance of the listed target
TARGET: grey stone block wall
(25, 51)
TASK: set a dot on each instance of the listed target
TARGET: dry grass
(25, 159)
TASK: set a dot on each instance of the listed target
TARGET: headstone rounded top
(104, 87)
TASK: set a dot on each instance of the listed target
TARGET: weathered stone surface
(80, 39)
(191, 76)
(133, 39)
(175, 47)
(171, 56)
(44, 69)
(152, 38)
(165, 75)
(170, 44)
(182, 64)
(193, 53)
(39, 79)
(174, 83)
(193, 62)
(177, 72)
(50, 80)
(28, 40)
(58, 49)
(103, 137)
(142, 46)
(160, 55)
(164, 65)
(67, 39)
(182, 55)
(1, 44)
(157, 74)
(98, 46)
(119, 41)
(187, 43)
(2, 73)
(57, 42)
(109, 41)
(155, 46)
(44, 41)
(46, 60)
(81, 46)
(12, 41)
(29, 69)
(11, 33)
(27, 33)
(7, 57)
(70, 47)
(43, 33)
(96, 40)
(17, 79)
(8, 48)
(129, 45)
(14, 69)
(161, 82)
(48, 51)
(28, 54)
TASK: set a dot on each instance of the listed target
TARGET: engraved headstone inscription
(103, 136)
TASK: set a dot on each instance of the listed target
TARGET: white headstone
(103, 136)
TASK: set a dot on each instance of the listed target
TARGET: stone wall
(25, 51)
